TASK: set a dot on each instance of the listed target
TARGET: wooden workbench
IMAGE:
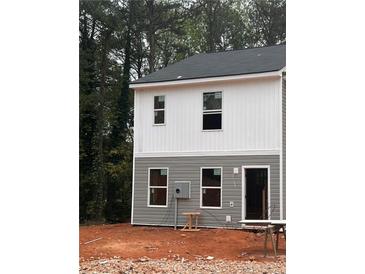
(190, 216)
(270, 227)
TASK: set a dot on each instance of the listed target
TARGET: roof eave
(275, 73)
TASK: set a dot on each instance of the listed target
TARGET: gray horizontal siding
(284, 144)
(188, 169)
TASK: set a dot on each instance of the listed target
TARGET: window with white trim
(157, 187)
(159, 110)
(212, 110)
(211, 187)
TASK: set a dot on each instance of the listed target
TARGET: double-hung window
(211, 187)
(157, 187)
(159, 110)
(212, 110)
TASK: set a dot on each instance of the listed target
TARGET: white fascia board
(208, 153)
(208, 80)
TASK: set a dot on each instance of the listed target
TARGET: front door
(256, 186)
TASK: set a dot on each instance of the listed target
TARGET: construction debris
(142, 260)
(93, 241)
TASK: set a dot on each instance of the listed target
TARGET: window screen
(212, 100)
(211, 188)
(157, 188)
(212, 110)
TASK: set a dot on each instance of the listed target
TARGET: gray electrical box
(182, 189)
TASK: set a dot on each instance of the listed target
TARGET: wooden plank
(190, 219)
(265, 243)
(284, 231)
(263, 203)
(93, 241)
(278, 222)
(272, 240)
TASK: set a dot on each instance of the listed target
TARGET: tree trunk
(210, 27)
(151, 35)
(100, 187)
(139, 55)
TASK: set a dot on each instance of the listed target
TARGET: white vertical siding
(251, 118)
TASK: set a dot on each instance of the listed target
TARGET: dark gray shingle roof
(225, 63)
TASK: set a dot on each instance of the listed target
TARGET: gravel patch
(203, 266)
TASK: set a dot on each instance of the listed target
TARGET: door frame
(243, 209)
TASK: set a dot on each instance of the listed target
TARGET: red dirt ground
(127, 241)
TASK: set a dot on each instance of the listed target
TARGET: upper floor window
(159, 110)
(212, 110)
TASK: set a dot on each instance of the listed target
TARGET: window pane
(211, 197)
(212, 100)
(158, 177)
(159, 102)
(158, 196)
(211, 177)
(212, 121)
(159, 116)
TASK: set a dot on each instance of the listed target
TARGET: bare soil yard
(133, 242)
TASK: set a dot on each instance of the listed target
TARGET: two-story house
(215, 121)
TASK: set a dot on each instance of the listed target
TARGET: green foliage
(119, 191)
(121, 40)
(267, 21)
